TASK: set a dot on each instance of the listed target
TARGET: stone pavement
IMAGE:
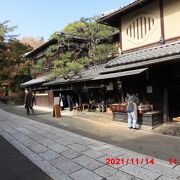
(65, 155)
(115, 133)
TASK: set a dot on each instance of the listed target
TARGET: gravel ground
(169, 129)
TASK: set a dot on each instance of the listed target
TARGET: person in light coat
(133, 119)
(132, 115)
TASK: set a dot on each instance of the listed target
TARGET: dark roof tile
(146, 54)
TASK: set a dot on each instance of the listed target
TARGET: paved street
(66, 155)
(97, 127)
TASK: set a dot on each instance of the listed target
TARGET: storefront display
(146, 115)
(118, 107)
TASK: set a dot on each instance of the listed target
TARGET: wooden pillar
(80, 99)
(50, 98)
(165, 105)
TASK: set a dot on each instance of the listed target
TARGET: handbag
(130, 107)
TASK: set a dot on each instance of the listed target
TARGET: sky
(40, 18)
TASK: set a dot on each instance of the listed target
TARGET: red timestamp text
(134, 161)
(173, 161)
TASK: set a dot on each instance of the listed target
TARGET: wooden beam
(165, 105)
(161, 18)
(120, 35)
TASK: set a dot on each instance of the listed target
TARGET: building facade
(149, 38)
(148, 64)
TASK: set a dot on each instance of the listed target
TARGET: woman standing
(132, 101)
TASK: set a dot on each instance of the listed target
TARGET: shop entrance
(174, 103)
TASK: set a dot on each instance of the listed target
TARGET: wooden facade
(144, 25)
(149, 63)
(45, 96)
(80, 89)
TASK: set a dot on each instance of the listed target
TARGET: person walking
(29, 100)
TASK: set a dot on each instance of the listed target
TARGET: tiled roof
(115, 10)
(142, 58)
(94, 68)
(120, 74)
(86, 75)
(40, 48)
(38, 80)
(111, 17)
(146, 54)
(47, 44)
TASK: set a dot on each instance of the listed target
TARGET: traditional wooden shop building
(80, 88)
(149, 63)
(43, 96)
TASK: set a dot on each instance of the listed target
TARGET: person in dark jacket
(29, 100)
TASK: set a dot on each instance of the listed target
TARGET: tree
(5, 31)
(5, 37)
(13, 64)
(95, 48)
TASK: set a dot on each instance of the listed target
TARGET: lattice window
(140, 27)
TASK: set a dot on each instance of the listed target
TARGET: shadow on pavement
(15, 166)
